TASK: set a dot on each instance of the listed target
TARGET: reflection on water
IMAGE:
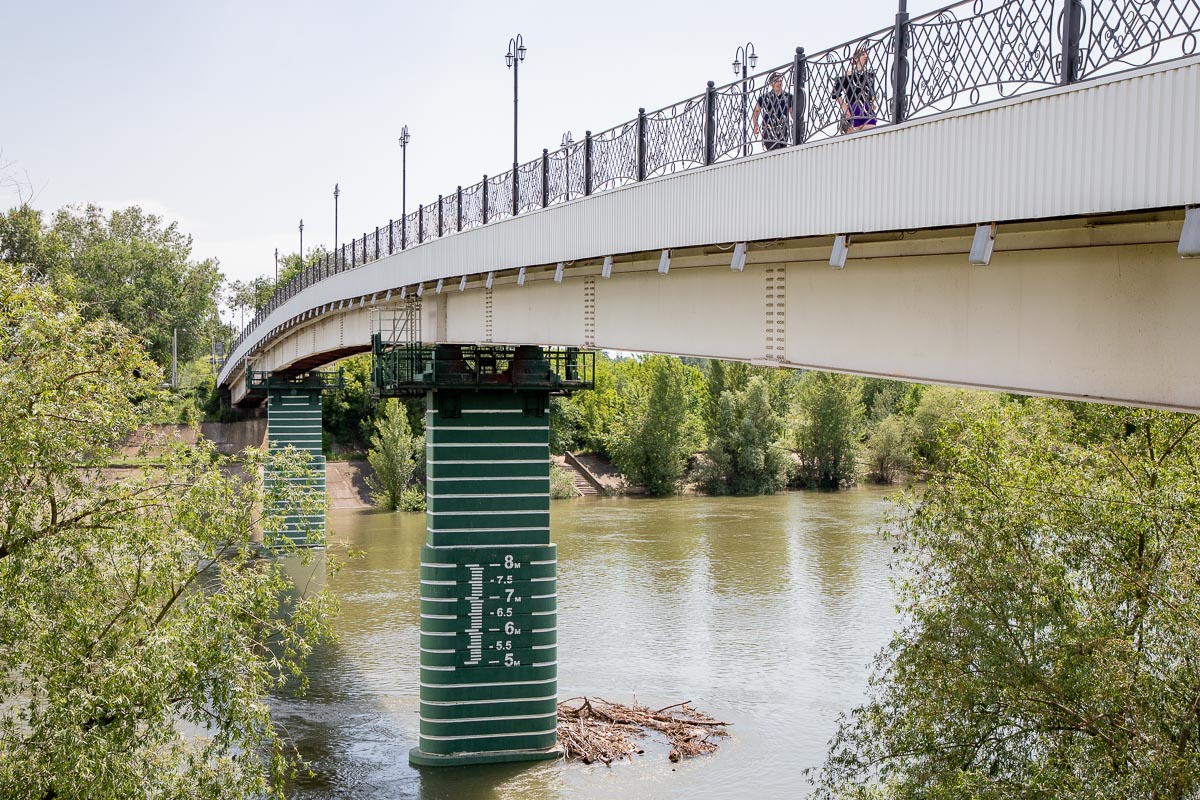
(764, 612)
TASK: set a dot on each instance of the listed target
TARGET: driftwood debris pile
(592, 730)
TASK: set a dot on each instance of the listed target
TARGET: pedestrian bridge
(643, 239)
(1029, 240)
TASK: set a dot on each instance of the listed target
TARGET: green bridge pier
(489, 598)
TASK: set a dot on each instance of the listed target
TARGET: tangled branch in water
(598, 730)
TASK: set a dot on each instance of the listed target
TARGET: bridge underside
(1098, 308)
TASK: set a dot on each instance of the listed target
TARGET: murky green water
(764, 612)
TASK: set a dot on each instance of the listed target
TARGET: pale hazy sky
(237, 118)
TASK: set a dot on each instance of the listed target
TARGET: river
(764, 612)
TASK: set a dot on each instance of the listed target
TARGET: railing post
(800, 101)
(458, 211)
(641, 144)
(516, 188)
(1072, 30)
(376, 242)
(341, 262)
(485, 204)
(420, 224)
(440, 229)
(545, 177)
(391, 225)
(900, 65)
(403, 233)
(710, 124)
(587, 163)
(353, 253)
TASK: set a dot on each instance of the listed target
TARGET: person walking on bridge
(775, 105)
(855, 93)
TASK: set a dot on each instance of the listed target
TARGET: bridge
(1018, 220)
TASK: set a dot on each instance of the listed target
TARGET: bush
(412, 499)
(888, 450)
(562, 485)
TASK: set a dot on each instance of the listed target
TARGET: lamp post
(301, 249)
(744, 58)
(336, 194)
(404, 138)
(513, 58)
(567, 141)
(276, 267)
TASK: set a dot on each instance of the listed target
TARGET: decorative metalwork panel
(529, 183)
(472, 206)
(500, 196)
(615, 157)
(1119, 34)
(968, 53)
(450, 212)
(831, 70)
(430, 221)
(397, 227)
(411, 232)
(675, 137)
(369, 244)
(566, 173)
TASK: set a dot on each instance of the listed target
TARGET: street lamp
(567, 141)
(404, 138)
(744, 58)
(336, 194)
(276, 267)
(513, 58)
(302, 249)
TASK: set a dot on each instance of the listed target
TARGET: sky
(236, 119)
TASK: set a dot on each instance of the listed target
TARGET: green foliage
(1052, 617)
(592, 414)
(735, 376)
(131, 611)
(27, 244)
(393, 455)
(888, 449)
(562, 485)
(130, 267)
(655, 430)
(565, 420)
(347, 414)
(412, 499)
(827, 427)
(940, 408)
(743, 453)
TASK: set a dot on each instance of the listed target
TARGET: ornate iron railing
(965, 54)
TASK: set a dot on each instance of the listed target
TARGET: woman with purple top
(855, 93)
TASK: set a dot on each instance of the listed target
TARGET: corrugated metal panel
(1124, 143)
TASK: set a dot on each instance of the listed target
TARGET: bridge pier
(489, 631)
(294, 420)
(489, 596)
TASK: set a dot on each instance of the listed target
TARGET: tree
(940, 410)
(1052, 619)
(888, 449)
(130, 267)
(828, 424)
(655, 431)
(25, 242)
(130, 609)
(393, 456)
(743, 452)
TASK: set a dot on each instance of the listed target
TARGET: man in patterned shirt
(775, 105)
